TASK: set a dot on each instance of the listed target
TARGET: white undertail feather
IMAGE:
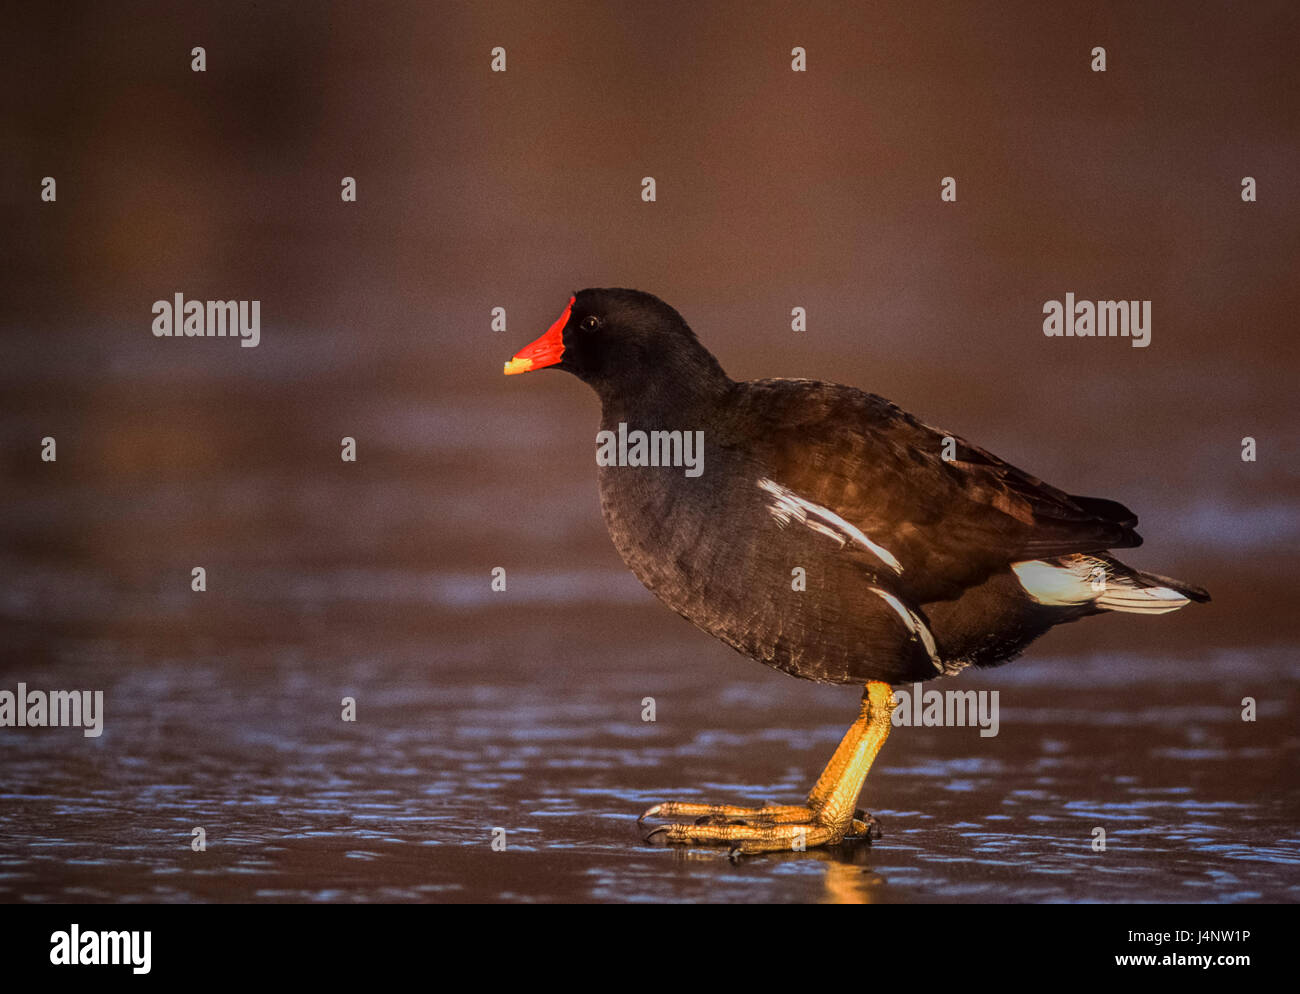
(1073, 581)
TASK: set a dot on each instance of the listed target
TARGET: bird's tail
(1105, 583)
(1147, 593)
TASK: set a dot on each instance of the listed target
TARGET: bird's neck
(680, 395)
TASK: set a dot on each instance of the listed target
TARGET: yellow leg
(826, 818)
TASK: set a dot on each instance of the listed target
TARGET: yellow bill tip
(515, 366)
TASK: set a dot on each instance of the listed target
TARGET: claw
(654, 832)
(649, 812)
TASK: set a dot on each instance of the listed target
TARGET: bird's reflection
(849, 878)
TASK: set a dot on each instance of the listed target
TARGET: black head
(625, 344)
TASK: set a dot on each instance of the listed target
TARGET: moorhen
(826, 532)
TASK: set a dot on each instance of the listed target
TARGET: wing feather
(951, 522)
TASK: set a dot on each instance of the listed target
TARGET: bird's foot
(771, 828)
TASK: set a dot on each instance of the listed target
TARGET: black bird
(921, 554)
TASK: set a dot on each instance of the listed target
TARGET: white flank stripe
(913, 622)
(788, 505)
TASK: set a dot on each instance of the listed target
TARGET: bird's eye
(590, 323)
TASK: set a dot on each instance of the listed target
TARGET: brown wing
(950, 523)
